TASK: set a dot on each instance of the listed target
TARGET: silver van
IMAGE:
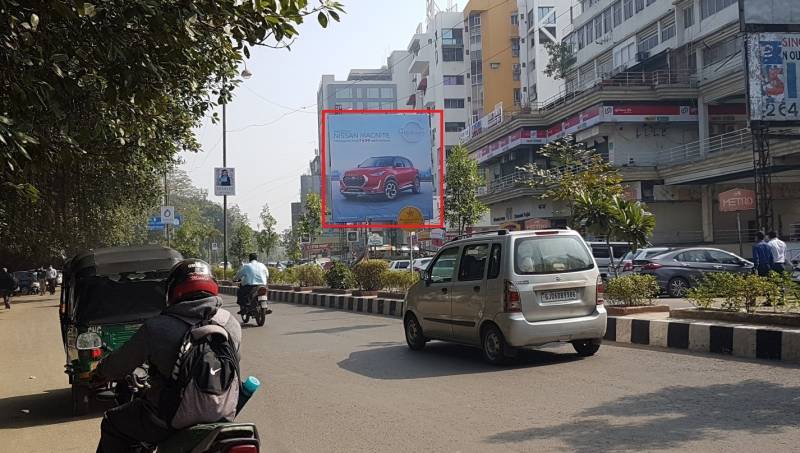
(506, 290)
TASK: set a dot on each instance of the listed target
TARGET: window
(442, 268)
(648, 43)
(373, 92)
(387, 93)
(723, 258)
(607, 20)
(554, 254)
(650, 2)
(516, 71)
(589, 27)
(515, 47)
(720, 51)
(454, 80)
(711, 7)
(517, 96)
(547, 15)
(639, 5)
(581, 41)
(494, 65)
(515, 18)
(454, 103)
(688, 16)
(452, 37)
(473, 262)
(453, 54)
(454, 126)
(387, 106)
(693, 256)
(617, 13)
(343, 93)
(494, 261)
(372, 105)
(628, 8)
(598, 27)
(667, 32)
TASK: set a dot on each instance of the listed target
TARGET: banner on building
(773, 64)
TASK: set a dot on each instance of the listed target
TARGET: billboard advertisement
(379, 168)
(773, 65)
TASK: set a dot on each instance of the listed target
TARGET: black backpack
(204, 385)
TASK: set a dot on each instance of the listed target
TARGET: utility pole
(166, 203)
(224, 197)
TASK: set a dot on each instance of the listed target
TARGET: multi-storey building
(658, 87)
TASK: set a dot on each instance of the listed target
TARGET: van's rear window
(551, 255)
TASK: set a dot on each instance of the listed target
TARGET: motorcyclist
(51, 275)
(7, 286)
(191, 294)
(252, 275)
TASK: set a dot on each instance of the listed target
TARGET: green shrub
(368, 274)
(735, 291)
(340, 276)
(310, 275)
(398, 281)
(284, 277)
(632, 290)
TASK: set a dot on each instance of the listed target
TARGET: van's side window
(473, 262)
(494, 262)
(442, 268)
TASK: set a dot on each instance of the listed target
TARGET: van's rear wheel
(586, 348)
(494, 346)
(414, 337)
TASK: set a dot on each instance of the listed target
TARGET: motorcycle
(256, 307)
(227, 437)
(35, 289)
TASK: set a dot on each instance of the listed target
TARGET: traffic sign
(155, 223)
(214, 246)
(168, 215)
(352, 236)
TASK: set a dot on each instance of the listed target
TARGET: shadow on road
(438, 359)
(674, 416)
(338, 329)
(47, 408)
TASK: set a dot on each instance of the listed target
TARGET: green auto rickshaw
(107, 294)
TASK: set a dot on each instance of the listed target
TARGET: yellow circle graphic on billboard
(410, 215)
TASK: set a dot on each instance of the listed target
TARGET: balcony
(736, 141)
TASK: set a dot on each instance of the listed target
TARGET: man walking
(762, 255)
(7, 286)
(778, 249)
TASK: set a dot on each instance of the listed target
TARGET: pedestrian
(7, 286)
(762, 255)
(778, 249)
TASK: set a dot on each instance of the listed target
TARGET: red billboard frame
(324, 163)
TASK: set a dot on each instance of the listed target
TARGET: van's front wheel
(586, 348)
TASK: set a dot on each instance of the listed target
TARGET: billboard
(224, 181)
(773, 64)
(380, 167)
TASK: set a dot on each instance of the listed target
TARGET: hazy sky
(269, 142)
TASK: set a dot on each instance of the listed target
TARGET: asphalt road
(345, 382)
(378, 208)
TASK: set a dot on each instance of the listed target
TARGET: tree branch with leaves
(462, 181)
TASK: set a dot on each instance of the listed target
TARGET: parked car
(679, 270)
(420, 264)
(513, 290)
(632, 261)
(399, 265)
(602, 254)
(385, 175)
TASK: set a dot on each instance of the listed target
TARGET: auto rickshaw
(107, 295)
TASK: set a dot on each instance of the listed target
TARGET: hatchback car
(399, 265)
(679, 270)
(507, 290)
(385, 175)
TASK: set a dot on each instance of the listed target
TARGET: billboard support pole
(739, 232)
(763, 177)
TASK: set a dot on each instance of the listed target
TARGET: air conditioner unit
(642, 56)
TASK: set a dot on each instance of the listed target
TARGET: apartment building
(658, 87)
(540, 22)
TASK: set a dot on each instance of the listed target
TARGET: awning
(412, 100)
(423, 84)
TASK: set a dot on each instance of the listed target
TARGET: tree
(462, 207)
(290, 239)
(311, 221)
(99, 97)
(242, 243)
(632, 223)
(562, 59)
(267, 237)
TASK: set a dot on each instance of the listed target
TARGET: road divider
(355, 304)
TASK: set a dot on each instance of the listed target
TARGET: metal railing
(516, 179)
(737, 140)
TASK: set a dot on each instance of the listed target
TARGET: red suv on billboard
(384, 175)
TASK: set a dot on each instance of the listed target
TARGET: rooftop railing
(737, 140)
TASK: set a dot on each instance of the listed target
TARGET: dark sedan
(678, 270)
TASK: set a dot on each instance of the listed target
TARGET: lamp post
(246, 74)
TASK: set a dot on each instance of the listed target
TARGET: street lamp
(411, 247)
(246, 74)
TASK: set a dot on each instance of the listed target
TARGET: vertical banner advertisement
(224, 181)
(773, 68)
(381, 168)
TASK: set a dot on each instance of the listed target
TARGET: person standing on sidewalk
(7, 286)
(762, 255)
(778, 249)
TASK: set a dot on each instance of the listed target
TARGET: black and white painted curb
(748, 341)
(369, 305)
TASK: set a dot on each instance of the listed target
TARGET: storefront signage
(537, 224)
(737, 200)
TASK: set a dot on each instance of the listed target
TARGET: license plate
(264, 303)
(264, 298)
(559, 296)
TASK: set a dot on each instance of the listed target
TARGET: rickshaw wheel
(245, 319)
(80, 399)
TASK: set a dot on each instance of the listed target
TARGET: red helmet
(190, 279)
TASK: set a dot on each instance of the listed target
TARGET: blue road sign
(155, 224)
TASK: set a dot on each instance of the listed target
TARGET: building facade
(658, 88)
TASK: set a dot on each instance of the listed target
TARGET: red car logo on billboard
(384, 175)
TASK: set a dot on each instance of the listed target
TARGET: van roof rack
(480, 233)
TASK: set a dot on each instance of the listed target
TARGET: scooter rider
(191, 293)
(252, 275)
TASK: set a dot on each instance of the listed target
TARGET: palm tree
(632, 222)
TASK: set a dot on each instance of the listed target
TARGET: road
(345, 382)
